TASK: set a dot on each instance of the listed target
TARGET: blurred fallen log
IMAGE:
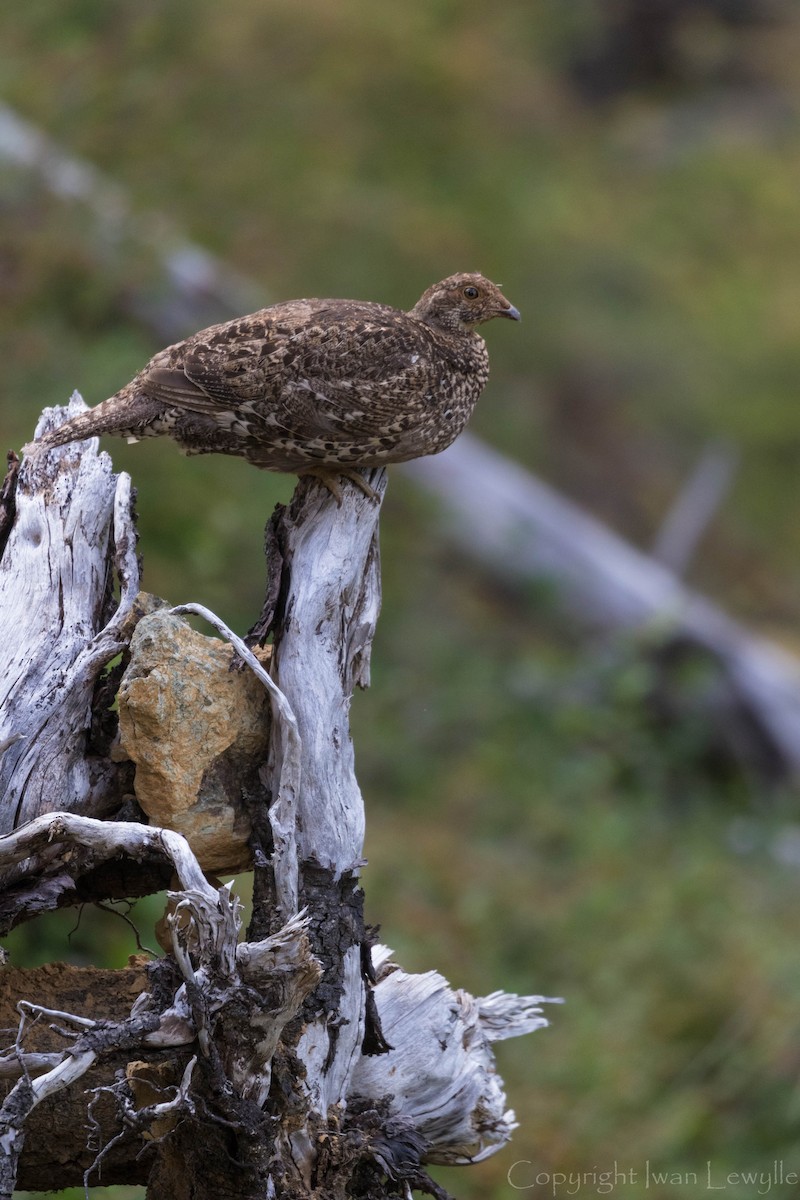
(523, 530)
(195, 288)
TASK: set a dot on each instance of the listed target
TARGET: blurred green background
(629, 170)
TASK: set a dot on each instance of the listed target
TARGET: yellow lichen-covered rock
(198, 734)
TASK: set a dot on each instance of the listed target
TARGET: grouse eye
(471, 293)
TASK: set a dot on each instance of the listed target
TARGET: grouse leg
(328, 477)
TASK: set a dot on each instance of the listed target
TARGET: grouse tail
(119, 416)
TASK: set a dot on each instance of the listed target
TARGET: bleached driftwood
(270, 1066)
(323, 639)
(525, 530)
(72, 531)
(440, 1073)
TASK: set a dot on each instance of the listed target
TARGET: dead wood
(72, 541)
(287, 1064)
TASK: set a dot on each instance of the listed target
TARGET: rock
(198, 734)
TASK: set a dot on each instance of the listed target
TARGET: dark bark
(8, 507)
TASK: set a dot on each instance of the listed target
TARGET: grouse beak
(511, 312)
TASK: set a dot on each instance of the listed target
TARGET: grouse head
(461, 302)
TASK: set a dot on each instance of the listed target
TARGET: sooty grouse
(318, 387)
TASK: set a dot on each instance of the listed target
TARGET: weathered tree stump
(300, 1061)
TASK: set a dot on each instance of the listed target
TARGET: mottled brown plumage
(314, 386)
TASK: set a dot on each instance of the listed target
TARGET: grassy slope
(530, 827)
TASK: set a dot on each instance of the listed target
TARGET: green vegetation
(533, 825)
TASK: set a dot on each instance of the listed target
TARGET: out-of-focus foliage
(630, 172)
